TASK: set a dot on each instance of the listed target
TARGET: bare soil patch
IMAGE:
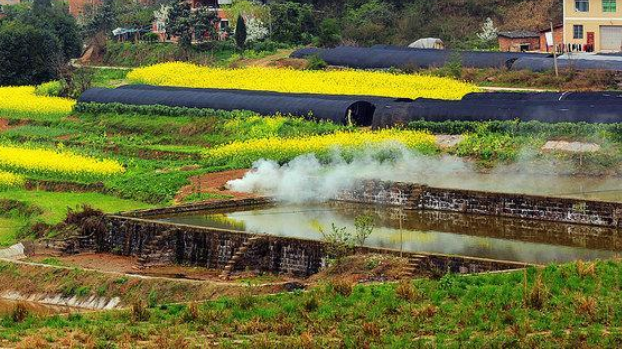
(364, 269)
(213, 183)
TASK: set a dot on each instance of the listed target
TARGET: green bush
(26, 55)
(50, 89)
(150, 110)
(316, 63)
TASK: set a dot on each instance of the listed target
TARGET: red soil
(213, 183)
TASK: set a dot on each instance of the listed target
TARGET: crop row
(22, 102)
(338, 82)
(243, 154)
(57, 163)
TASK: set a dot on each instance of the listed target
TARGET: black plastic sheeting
(603, 108)
(604, 97)
(385, 57)
(379, 112)
(546, 64)
(338, 109)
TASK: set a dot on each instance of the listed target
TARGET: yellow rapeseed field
(343, 82)
(8, 179)
(241, 154)
(22, 101)
(44, 160)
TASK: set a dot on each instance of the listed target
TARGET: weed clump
(538, 295)
(406, 291)
(586, 269)
(139, 312)
(342, 287)
(192, 313)
(20, 313)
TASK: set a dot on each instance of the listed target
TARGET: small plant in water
(341, 243)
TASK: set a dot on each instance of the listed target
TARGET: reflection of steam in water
(305, 221)
(306, 179)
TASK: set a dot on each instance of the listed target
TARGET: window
(582, 5)
(577, 32)
(610, 6)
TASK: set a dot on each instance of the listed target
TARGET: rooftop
(519, 34)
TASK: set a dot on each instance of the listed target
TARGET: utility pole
(554, 51)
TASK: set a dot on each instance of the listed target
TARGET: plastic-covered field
(385, 57)
(590, 107)
(338, 109)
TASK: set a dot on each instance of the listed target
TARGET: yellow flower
(342, 82)
(8, 179)
(43, 160)
(22, 101)
(242, 154)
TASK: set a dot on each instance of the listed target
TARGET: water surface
(424, 231)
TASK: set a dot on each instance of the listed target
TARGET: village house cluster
(587, 26)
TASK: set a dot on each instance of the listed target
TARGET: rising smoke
(307, 179)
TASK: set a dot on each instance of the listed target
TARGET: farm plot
(341, 82)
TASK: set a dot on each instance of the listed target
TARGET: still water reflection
(428, 231)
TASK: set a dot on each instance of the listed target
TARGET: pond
(423, 231)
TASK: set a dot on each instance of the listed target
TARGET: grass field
(576, 305)
(155, 152)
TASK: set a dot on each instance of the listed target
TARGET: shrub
(316, 63)
(342, 287)
(20, 313)
(139, 312)
(50, 89)
(27, 55)
(406, 291)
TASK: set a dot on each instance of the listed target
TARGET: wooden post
(554, 51)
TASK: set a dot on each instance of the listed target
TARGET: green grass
(9, 229)
(575, 305)
(55, 205)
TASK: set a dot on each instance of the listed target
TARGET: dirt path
(213, 183)
(280, 59)
(514, 89)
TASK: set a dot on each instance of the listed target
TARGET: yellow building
(593, 24)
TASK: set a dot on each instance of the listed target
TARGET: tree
(204, 22)
(188, 25)
(41, 5)
(489, 31)
(292, 22)
(28, 55)
(55, 19)
(240, 33)
(103, 21)
(179, 23)
(330, 33)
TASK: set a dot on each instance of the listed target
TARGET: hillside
(455, 21)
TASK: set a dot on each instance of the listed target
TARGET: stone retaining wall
(421, 197)
(155, 242)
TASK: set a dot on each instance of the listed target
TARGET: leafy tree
(240, 33)
(103, 20)
(28, 55)
(330, 33)
(41, 5)
(187, 24)
(204, 22)
(55, 19)
(180, 23)
(371, 23)
(292, 22)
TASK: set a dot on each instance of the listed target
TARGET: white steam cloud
(307, 179)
